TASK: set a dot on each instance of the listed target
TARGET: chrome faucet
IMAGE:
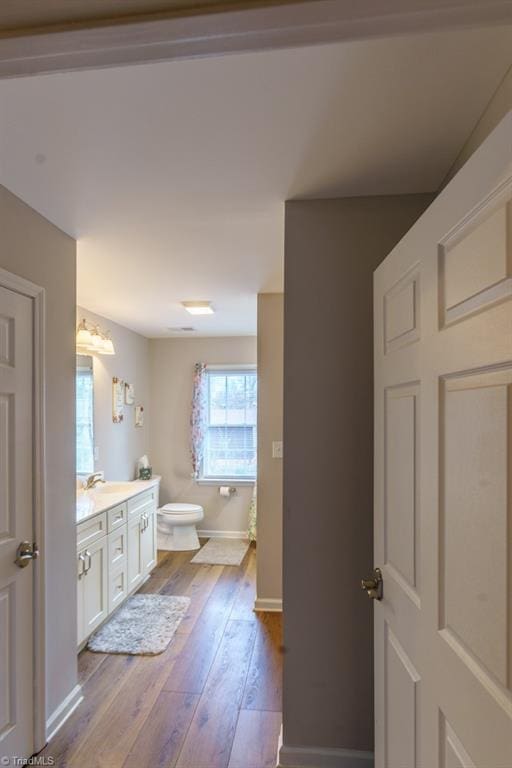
(93, 480)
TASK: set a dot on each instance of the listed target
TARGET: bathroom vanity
(116, 547)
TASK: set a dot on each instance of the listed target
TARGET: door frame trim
(35, 292)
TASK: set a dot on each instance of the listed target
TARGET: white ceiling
(173, 176)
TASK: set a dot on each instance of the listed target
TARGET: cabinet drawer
(117, 587)
(91, 530)
(142, 503)
(117, 517)
(117, 547)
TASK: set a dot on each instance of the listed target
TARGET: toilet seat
(184, 513)
(176, 526)
(177, 508)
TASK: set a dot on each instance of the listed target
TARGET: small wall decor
(129, 393)
(139, 415)
(117, 400)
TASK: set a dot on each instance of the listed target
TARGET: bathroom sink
(113, 488)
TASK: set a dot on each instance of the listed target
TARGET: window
(230, 440)
(84, 416)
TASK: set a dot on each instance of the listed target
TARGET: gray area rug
(144, 624)
(222, 552)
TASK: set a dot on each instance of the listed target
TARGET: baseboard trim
(318, 757)
(268, 604)
(63, 711)
(222, 534)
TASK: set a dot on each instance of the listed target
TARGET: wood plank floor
(211, 700)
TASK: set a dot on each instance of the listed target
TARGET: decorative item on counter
(139, 415)
(117, 400)
(145, 470)
(129, 393)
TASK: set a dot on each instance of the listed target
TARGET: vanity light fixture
(90, 338)
(108, 345)
(198, 307)
(97, 340)
(84, 342)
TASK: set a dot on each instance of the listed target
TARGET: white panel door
(16, 525)
(443, 477)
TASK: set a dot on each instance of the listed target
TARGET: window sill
(234, 482)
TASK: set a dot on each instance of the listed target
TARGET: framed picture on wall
(139, 415)
(117, 400)
(129, 393)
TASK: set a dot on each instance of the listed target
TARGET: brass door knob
(25, 553)
(374, 586)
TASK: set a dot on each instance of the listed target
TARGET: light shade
(108, 345)
(198, 307)
(97, 340)
(84, 340)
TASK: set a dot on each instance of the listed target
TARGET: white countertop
(90, 503)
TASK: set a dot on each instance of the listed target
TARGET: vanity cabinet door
(80, 631)
(94, 585)
(148, 543)
(135, 567)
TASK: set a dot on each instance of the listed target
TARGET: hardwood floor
(211, 700)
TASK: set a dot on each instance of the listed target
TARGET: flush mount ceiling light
(198, 307)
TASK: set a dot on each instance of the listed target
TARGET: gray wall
(34, 249)
(270, 428)
(121, 444)
(172, 371)
(331, 250)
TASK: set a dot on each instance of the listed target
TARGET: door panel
(80, 614)
(401, 526)
(401, 705)
(149, 545)
(7, 508)
(401, 312)
(443, 477)
(95, 594)
(453, 754)
(7, 657)
(117, 586)
(479, 261)
(475, 457)
(16, 524)
(135, 566)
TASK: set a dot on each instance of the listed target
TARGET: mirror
(84, 415)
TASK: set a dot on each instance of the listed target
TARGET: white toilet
(176, 526)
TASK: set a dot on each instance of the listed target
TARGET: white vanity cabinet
(92, 589)
(116, 551)
(148, 537)
(141, 537)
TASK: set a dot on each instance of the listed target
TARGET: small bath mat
(222, 552)
(145, 625)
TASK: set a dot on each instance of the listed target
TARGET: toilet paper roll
(225, 491)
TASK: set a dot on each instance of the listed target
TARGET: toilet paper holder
(227, 491)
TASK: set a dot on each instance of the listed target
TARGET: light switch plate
(277, 449)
